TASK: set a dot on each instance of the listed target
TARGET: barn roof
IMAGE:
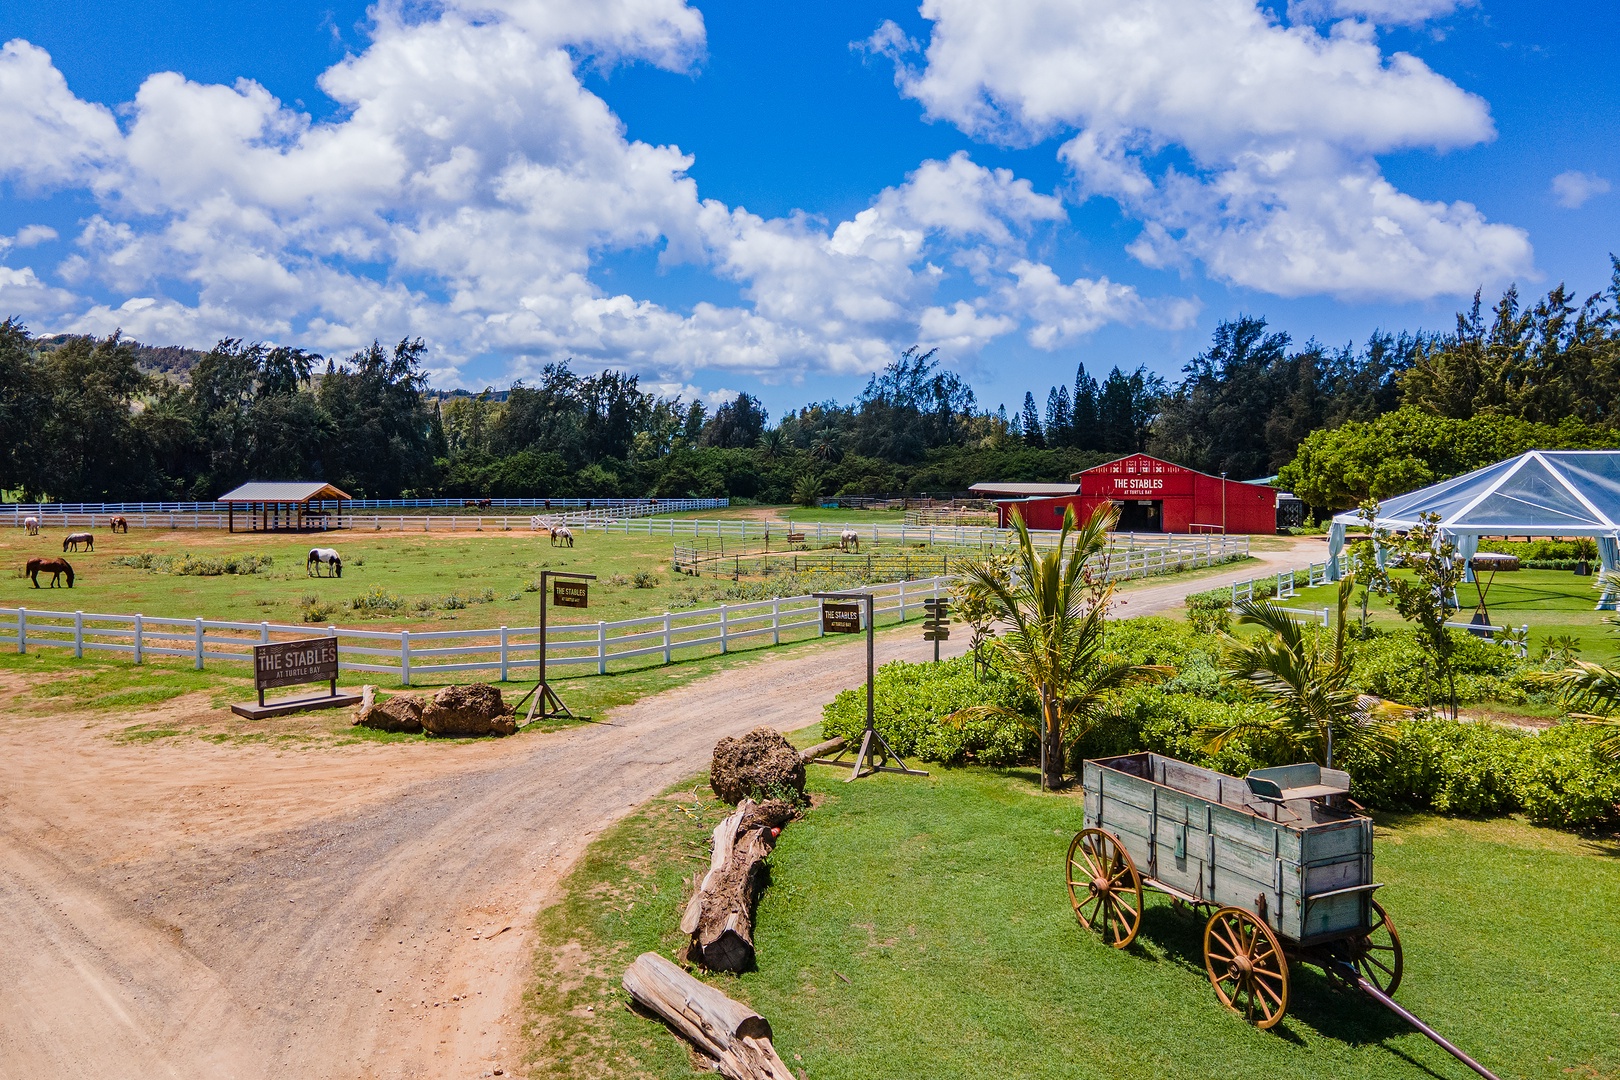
(1024, 490)
(297, 491)
(1539, 493)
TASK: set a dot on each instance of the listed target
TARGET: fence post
(601, 648)
(724, 644)
(668, 640)
(138, 631)
(22, 630)
(776, 620)
(197, 640)
(902, 600)
(78, 635)
(503, 654)
(404, 658)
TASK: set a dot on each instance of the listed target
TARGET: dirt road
(185, 909)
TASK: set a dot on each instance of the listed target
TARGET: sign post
(843, 616)
(292, 663)
(570, 590)
(936, 623)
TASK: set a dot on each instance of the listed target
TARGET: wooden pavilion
(282, 507)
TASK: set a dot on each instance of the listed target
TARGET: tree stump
(720, 914)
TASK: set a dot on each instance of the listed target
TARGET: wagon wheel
(1104, 887)
(1376, 955)
(1246, 966)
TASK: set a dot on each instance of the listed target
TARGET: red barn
(1155, 496)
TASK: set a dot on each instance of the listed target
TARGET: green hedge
(1554, 778)
(911, 701)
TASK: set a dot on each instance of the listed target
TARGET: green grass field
(919, 927)
(1551, 602)
(491, 575)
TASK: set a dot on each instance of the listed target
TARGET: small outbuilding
(277, 506)
(1153, 495)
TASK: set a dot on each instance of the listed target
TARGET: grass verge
(920, 927)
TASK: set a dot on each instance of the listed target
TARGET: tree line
(87, 419)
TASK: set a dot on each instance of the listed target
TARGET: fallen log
(720, 914)
(736, 1037)
(828, 747)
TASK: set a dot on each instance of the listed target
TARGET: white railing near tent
(408, 654)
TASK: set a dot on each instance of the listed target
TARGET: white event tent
(1539, 493)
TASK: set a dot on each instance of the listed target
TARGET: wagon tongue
(1349, 974)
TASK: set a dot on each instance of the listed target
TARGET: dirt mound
(474, 709)
(761, 764)
(395, 714)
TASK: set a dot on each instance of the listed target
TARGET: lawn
(919, 927)
(1552, 603)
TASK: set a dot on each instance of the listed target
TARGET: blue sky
(778, 197)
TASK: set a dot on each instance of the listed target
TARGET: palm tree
(1055, 607)
(807, 489)
(1306, 682)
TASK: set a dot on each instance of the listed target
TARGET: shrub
(1562, 780)
(911, 702)
(376, 601)
(1394, 666)
(316, 608)
(644, 579)
(193, 565)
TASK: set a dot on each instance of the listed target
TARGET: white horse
(72, 541)
(849, 539)
(562, 534)
(32, 525)
(323, 556)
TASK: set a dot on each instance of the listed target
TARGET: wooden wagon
(1286, 875)
(1281, 860)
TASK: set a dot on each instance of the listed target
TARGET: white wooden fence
(408, 654)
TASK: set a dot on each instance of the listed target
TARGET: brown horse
(55, 567)
(119, 524)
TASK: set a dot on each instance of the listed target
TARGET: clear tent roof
(1539, 493)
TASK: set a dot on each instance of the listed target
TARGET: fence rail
(665, 506)
(408, 655)
(599, 517)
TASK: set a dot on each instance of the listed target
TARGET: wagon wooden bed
(1280, 860)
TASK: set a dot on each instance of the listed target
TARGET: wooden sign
(841, 618)
(288, 663)
(570, 594)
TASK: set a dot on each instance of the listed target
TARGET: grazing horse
(562, 534)
(54, 567)
(485, 504)
(118, 525)
(32, 525)
(849, 539)
(323, 556)
(72, 541)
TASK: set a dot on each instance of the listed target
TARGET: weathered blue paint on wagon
(1302, 866)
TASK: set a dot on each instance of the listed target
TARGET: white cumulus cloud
(1242, 142)
(463, 193)
(1573, 189)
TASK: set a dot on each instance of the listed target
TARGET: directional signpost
(841, 614)
(936, 623)
(565, 590)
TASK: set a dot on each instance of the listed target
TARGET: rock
(396, 714)
(761, 764)
(474, 709)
